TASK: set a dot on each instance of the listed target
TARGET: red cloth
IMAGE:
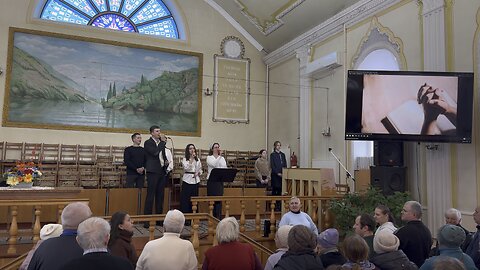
(231, 256)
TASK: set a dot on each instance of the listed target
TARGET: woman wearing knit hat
(47, 231)
(388, 256)
(327, 248)
(300, 254)
(450, 238)
(355, 250)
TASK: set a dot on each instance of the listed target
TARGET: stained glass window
(149, 17)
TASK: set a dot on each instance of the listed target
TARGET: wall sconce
(1, 71)
(208, 92)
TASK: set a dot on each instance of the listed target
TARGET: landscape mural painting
(66, 82)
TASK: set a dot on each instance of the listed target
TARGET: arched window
(149, 17)
(379, 50)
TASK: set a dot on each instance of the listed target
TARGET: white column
(303, 55)
(438, 167)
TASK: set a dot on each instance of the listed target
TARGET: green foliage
(349, 207)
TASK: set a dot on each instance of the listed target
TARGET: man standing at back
(134, 158)
(155, 172)
(415, 237)
(277, 162)
(473, 249)
(53, 253)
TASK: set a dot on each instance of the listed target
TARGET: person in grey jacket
(388, 257)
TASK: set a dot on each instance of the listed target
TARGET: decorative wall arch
(379, 37)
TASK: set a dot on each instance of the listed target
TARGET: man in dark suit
(155, 172)
(93, 235)
(277, 162)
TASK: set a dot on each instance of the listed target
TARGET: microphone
(329, 149)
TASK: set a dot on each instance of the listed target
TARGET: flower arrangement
(23, 172)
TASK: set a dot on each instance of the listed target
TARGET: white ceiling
(273, 23)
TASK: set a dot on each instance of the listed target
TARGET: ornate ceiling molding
(379, 37)
(268, 26)
(353, 14)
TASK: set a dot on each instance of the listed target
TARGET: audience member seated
(281, 241)
(296, 217)
(364, 226)
(355, 250)
(415, 237)
(327, 249)
(120, 243)
(473, 248)
(230, 253)
(387, 256)
(448, 263)
(93, 235)
(450, 238)
(169, 252)
(454, 217)
(301, 251)
(48, 231)
(53, 253)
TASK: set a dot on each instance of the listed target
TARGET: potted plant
(351, 205)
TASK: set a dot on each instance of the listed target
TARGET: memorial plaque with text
(232, 90)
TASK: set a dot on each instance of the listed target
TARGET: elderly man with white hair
(169, 252)
(93, 235)
(53, 253)
(230, 253)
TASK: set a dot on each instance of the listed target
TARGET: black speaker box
(388, 179)
(388, 153)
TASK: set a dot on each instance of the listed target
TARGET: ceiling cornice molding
(276, 21)
(235, 24)
(349, 16)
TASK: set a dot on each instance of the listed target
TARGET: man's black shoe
(146, 225)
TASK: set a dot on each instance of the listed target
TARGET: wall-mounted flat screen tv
(409, 106)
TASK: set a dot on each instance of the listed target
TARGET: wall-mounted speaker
(388, 179)
(388, 153)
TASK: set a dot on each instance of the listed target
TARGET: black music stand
(215, 186)
(223, 175)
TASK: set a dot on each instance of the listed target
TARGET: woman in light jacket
(262, 169)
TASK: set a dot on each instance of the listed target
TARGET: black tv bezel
(465, 94)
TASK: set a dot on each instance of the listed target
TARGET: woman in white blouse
(192, 169)
(215, 160)
(384, 217)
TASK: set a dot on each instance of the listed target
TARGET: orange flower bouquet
(23, 172)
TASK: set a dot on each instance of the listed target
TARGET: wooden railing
(315, 206)
(14, 264)
(14, 205)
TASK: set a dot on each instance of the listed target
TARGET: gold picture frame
(58, 81)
